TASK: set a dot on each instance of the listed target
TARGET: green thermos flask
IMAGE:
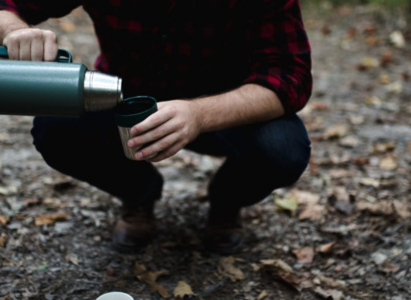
(59, 88)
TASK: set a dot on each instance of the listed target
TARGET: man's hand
(31, 44)
(164, 133)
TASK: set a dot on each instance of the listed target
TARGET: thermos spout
(101, 91)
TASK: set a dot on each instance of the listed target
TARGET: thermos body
(46, 88)
(58, 88)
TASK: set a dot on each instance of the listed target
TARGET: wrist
(10, 22)
(195, 109)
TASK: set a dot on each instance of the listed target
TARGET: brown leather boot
(134, 229)
(223, 232)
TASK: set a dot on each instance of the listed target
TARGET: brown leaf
(139, 269)
(3, 220)
(361, 161)
(383, 147)
(319, 106)
(314, 212)
(336, 131)
(369, 182)
(384, 79)
(226, 268)
(339, 173)
(390, 267)
(350, 142)
(2, 240)
(326, 30)
(50, 219)
(262, 295)
(281, 270)
(31, 201)
(382, 207)
(386, 59)
(304, 255)
(326, 248)
(183, 289)
(330, 282)
(305, 197)
(388, 163)
(73, 259)
(150, 278)
(372, 40)
(329, 294)
(402, 209)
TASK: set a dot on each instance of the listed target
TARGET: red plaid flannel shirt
(188, 48)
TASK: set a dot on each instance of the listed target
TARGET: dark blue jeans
(259, 158)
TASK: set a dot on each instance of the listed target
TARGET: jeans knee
(293, 165)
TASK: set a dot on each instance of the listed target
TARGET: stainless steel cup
(129, 113)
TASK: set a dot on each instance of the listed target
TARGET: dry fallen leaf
(402, 209)
(388, 163)
(329, 294)
(287, 203)
(369, 182)
(305, 255)
(382, 207)
(50, 219)
(183, 289)
(384, 79)
(397, 38)
(2, 240)
(314, 212)
(304, 197)
(150, 278)
(390, 267)
(337, 131)
(380, 147)
(281, 270)
(3, 220)
(140, 271)
(350, 142)
(226, 268)
(262, 295)
(325, 248)
(8, 190)
(73, 259)
(330, 282)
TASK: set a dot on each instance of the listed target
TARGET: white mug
(115, 296)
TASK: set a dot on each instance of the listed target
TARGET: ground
(342, 231)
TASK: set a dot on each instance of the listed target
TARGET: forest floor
(341, 232)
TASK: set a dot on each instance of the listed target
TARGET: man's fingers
(50, 45)
(31, 44)
(25, 50)
(37, 50)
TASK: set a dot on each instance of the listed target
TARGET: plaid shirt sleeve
(35, 12)
(281, 57)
